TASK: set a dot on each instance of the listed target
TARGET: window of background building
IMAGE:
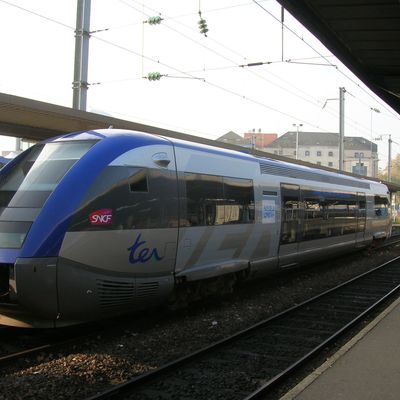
(330, 164)
(307, 153)
(319, 153)
(330, 154)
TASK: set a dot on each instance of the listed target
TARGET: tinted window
(381, 207)
(205, 202)
(290, 213)
(137, 198)
(329, 214)
(38, 171)
(139, 182)
(217, 200)
(239, 200)
(12, 234)
(362, 212)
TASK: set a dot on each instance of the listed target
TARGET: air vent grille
(278, 170)
(148, 289)
(115, 293)
(124, 293)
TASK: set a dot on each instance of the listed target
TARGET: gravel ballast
(104, 361)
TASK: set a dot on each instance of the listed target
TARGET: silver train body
(100, 223)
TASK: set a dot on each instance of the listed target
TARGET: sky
(206, 89)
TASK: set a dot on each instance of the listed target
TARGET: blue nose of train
(40, 191)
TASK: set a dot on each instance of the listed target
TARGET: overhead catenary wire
(383, 105)
(183, 72)
(107, 29)
(215, 85)
(314, 101)
(38, 15)
(352, 123)
(338, 69)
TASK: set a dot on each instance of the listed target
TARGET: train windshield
(30, 181)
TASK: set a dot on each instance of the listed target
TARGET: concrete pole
(18, 144)
(342, 91)
(80, 84)
(390, 159)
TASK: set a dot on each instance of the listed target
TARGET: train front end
(28, 251)
(71, 246)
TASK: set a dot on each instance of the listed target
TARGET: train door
(290, 225)
(361, 217)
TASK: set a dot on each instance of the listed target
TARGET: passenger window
(329, 214)
(290, 213)
(217, 200)
(239, 200)
(381, 206)
(204, 194)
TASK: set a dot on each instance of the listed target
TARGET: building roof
(233, 138)
(328, 139)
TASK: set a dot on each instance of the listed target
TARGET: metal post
(297, 139)
(372, 159)
(80, 84)
(342, 91)
(283, 28)
(390, 159)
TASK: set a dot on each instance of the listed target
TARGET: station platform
(365, 368)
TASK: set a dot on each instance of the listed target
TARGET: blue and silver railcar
(103, 222)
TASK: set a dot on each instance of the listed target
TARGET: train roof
(267, 164)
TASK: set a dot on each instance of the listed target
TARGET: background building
(251, 139)
(260, 140)
(233, 138)
(322, 148)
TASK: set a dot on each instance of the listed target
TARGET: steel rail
(128, 386)
(261, 391)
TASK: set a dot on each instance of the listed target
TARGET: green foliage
(395, 171)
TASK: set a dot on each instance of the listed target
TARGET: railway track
(16, 343)
(21, 343)
(250, 363)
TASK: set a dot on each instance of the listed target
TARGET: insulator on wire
(154, 20)
(203, 26)
(154, 76)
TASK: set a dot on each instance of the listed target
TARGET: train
(104, 222)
